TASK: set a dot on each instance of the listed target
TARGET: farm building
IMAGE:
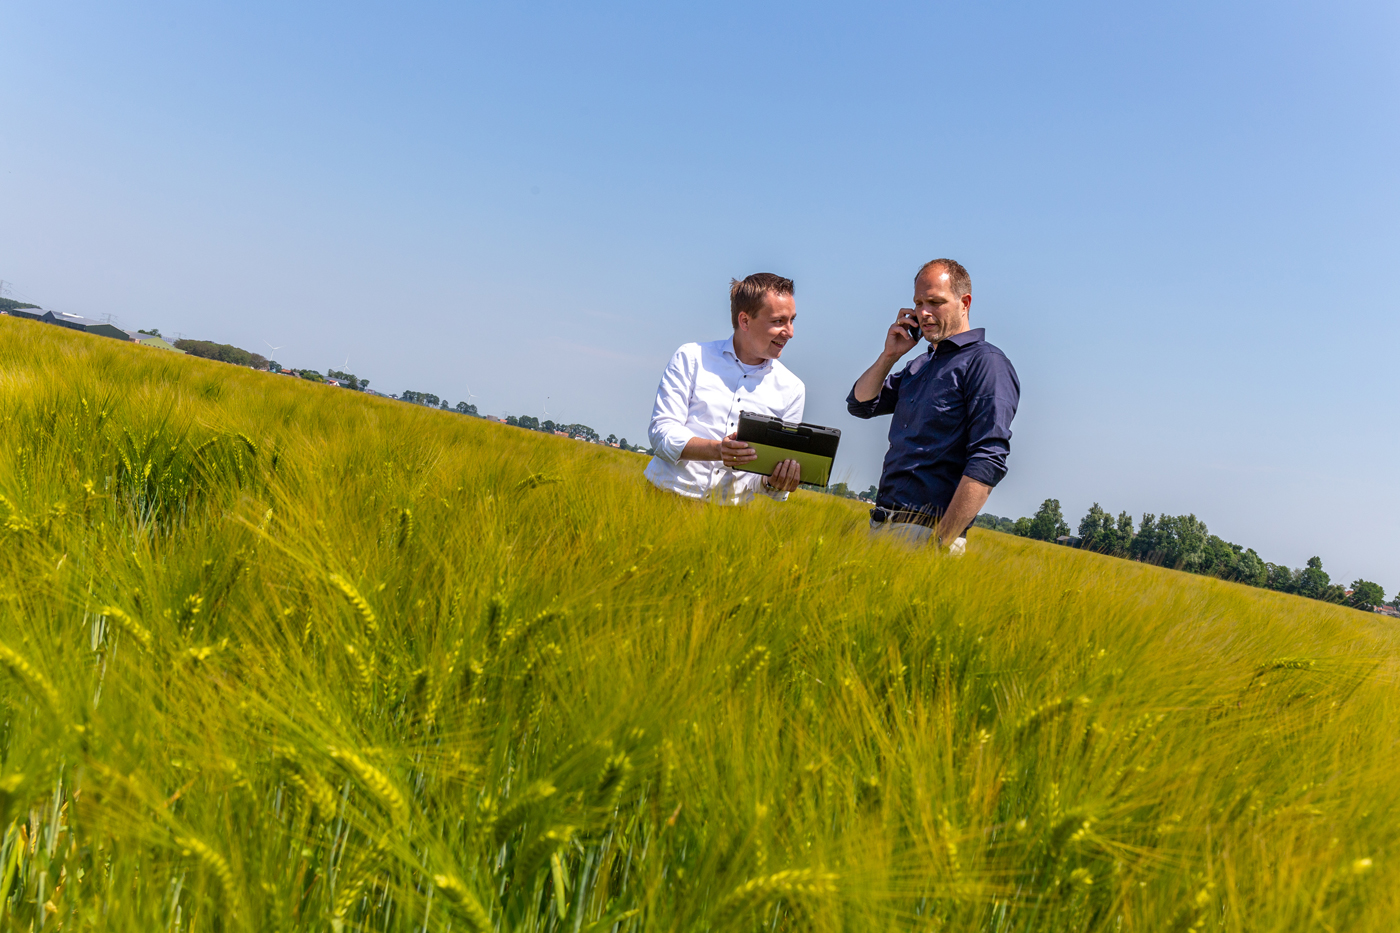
(150, 340)
(88, 325)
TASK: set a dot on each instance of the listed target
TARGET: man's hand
(736, 453)
(897, 343)
(732, 452)
(786, 475)
(897, 339)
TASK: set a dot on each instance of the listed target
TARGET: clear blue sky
(1182, 221)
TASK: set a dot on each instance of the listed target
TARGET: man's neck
(966, 326)
(742, 354)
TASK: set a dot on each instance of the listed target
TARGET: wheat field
(278, 656)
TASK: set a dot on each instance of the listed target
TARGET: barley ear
(375, 781)
(468, 907)
(36, 683)
(362, 608)
(129, 625)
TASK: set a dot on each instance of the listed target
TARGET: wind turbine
(272, 348)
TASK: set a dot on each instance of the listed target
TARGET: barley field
(279, 656)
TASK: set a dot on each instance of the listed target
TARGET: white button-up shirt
(702, 392)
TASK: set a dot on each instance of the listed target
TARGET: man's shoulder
(786, 377)
(986, 363)
(982, 350)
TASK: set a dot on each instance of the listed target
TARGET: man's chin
(775, 351)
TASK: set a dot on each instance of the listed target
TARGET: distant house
(88, 325)
(336, 382)
(151, 340)
(1069, 540)
(34, 314)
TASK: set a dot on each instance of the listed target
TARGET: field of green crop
(278, 656)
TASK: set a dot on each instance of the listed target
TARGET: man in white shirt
(707, 385)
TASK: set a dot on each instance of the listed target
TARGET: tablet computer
(811, 445)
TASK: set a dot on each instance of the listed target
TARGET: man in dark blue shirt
(952, 409)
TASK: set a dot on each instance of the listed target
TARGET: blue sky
(1181, 221)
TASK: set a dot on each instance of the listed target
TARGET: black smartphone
(914, 332)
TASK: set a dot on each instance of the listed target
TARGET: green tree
(1249, 568)
(530, 422)
(1366, 595)
(1101, 532)
(1049, 522)
(1314, 583)
(466, 409)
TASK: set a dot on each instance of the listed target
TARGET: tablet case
(775, 440)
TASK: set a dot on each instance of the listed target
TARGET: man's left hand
(786, 475)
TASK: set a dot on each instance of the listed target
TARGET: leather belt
(903, 516)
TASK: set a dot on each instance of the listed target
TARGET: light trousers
(915, 535)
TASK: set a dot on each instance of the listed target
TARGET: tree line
(1185, 543)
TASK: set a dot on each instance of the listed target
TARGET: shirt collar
(966, 338)
(733, 354)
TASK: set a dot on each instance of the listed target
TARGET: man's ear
(744, 320)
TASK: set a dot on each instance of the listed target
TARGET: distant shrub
(223, 352)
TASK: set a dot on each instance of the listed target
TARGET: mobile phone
(914, 332)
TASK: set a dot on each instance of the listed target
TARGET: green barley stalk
(803, 888)
(37, 684)
(375, 781)
(129, 625)
(217, 866)
(468, 907)
(362, 608)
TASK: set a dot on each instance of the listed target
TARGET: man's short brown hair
(747, 296)
(958, 279)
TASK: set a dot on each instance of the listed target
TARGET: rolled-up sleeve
(667, 433)
(993, 394)
(882, 404)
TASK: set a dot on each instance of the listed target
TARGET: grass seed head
(361, 607)
(36, 683)
(375, 781)
(129, 625)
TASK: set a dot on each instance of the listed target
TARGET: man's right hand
(731, 452)
(897, 339)
(897, 343)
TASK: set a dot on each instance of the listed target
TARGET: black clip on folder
(811, 445)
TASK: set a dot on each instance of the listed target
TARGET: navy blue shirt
(952, 412)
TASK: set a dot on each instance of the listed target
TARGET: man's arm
(995, 394)
(871, 387)
(667, 432)
(968, 500)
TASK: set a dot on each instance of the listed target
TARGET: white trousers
(915, 535)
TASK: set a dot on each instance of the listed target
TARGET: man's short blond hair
(958, 279)
(746, 297)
